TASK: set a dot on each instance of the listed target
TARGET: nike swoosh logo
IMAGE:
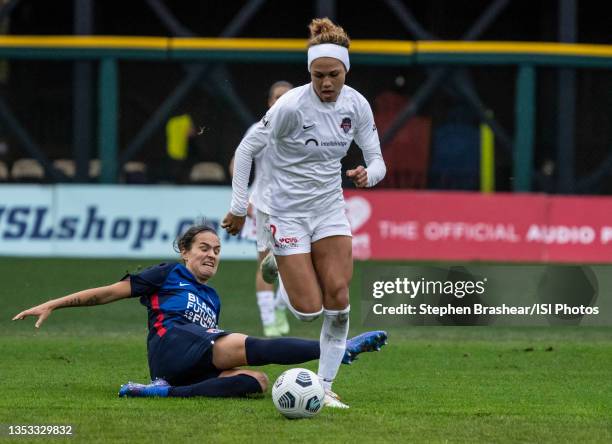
(182, 284)
(308, 127)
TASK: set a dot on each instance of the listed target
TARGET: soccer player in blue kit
(188, 354)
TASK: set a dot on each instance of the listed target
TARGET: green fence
(527, 56)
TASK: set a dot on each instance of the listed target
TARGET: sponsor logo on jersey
(265, 121)
(326, 143)
(346, 125)
(283, 242)
(307, 127)
(334, 143)
(286, 242)
(198, 312)
(373, 127)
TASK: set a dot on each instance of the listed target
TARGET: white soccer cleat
(332, 400)
(269, 269)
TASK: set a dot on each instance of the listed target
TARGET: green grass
(430, 384)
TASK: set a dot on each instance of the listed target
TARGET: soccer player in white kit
(307, 132)
(272, 309)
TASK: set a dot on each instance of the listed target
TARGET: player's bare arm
(91, 296)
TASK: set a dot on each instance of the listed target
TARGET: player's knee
(262, 379)
(229, 351)
(337, 296)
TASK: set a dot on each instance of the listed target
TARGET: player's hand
(250, 211)
(232, 223)
(42, 311)
(359, 176)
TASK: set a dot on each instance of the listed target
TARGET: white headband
(329, 50)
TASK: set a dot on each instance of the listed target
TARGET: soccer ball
(298, 393)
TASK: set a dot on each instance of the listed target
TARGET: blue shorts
(183, 356)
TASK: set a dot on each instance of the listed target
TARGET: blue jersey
(173, 297)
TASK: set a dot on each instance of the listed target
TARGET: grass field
(430, 384)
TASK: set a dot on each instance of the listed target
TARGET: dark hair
(185, 240)
(280, 83)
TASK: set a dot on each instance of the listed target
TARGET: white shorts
(294, 235)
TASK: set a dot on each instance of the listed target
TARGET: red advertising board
(474, 226)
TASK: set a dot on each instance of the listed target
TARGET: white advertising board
(109, 220)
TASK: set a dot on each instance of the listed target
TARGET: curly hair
(323, 30)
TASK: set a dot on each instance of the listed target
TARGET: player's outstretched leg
(365, 342)
(296, 351)
(256, 352)
(234, 383)
(280, 351)
(241, 384)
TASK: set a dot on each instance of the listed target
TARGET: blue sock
(281, 351)
(232, 386)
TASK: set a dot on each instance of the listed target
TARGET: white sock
(279, 301)
(333, 344)
(265, 300)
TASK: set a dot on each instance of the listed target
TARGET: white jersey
(304, 140)
(258, 184)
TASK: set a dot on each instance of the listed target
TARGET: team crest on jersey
(346, 125)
